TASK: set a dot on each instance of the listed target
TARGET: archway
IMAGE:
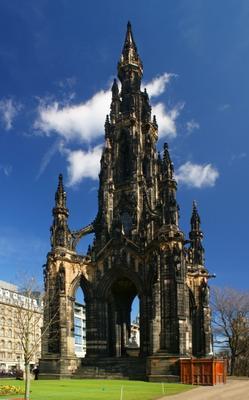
(79, 293)
(79, 323)
(122, 293)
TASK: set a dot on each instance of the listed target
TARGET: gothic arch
(115, 274)
(80, 281)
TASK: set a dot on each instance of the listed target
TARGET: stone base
(163, 368)
(156, 368)
(56, 367)
(112, 368)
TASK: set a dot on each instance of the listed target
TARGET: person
(36, 372)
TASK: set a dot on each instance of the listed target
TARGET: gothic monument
(138, 250)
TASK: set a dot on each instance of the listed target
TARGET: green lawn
(96, 389)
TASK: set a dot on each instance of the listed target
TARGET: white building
(80, 329)
(12, 305)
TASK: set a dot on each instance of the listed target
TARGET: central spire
(130, 67)
(129, 53)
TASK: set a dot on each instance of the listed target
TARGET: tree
(29, 324)
(230, 316)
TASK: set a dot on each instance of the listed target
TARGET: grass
(90, 389)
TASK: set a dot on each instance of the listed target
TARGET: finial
(195, 218)
(107, 121)
(60, 195)
(130, 49)
(115, 91)
(154, 120)
(168, 166)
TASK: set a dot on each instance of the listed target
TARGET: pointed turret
(60, 233)
(115, 104)
(195, 219)
(60, 195)
(196, 237)
(129, 53)
(168, 167)
(115, 91)
(130, 67)
(171, 208)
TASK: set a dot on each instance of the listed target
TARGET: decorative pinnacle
(155, 121)
(195, 218)
(115, 91)
(129, 41)
(129, 53)
(168, 166)
(60, 195)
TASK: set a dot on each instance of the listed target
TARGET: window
(78, 331)
(77, 321)
(78, 340)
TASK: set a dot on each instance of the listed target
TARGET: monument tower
(138, 250)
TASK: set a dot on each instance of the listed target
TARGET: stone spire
(130, 67)
(115, 104)
(60, 233)
(168, 167)
(60, 196)
(170, 206)
(196, 237)
(129, 53)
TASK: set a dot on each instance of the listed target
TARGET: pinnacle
(129, 52)
(60, 195)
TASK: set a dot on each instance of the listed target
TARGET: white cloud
(192, 125)
(197, 175)
(6, 169)
(166, 119)
(158, 85)
(83, 164)
(84, 122)
(8, 111)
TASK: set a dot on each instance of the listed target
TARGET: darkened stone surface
(138, 249)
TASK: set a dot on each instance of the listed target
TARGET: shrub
(9, 389)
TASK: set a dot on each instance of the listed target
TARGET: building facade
(80, 329)
(138, 250)
(11, 349)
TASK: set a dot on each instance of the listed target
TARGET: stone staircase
(112, 368)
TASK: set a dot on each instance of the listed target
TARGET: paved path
(232, 390)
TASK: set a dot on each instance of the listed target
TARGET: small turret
(130, 67)
(168, 167)
(115, 104)
(171, 208)
(196, 237)
(115, 91)
(60, 233)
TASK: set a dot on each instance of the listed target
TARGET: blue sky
(57, 61)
